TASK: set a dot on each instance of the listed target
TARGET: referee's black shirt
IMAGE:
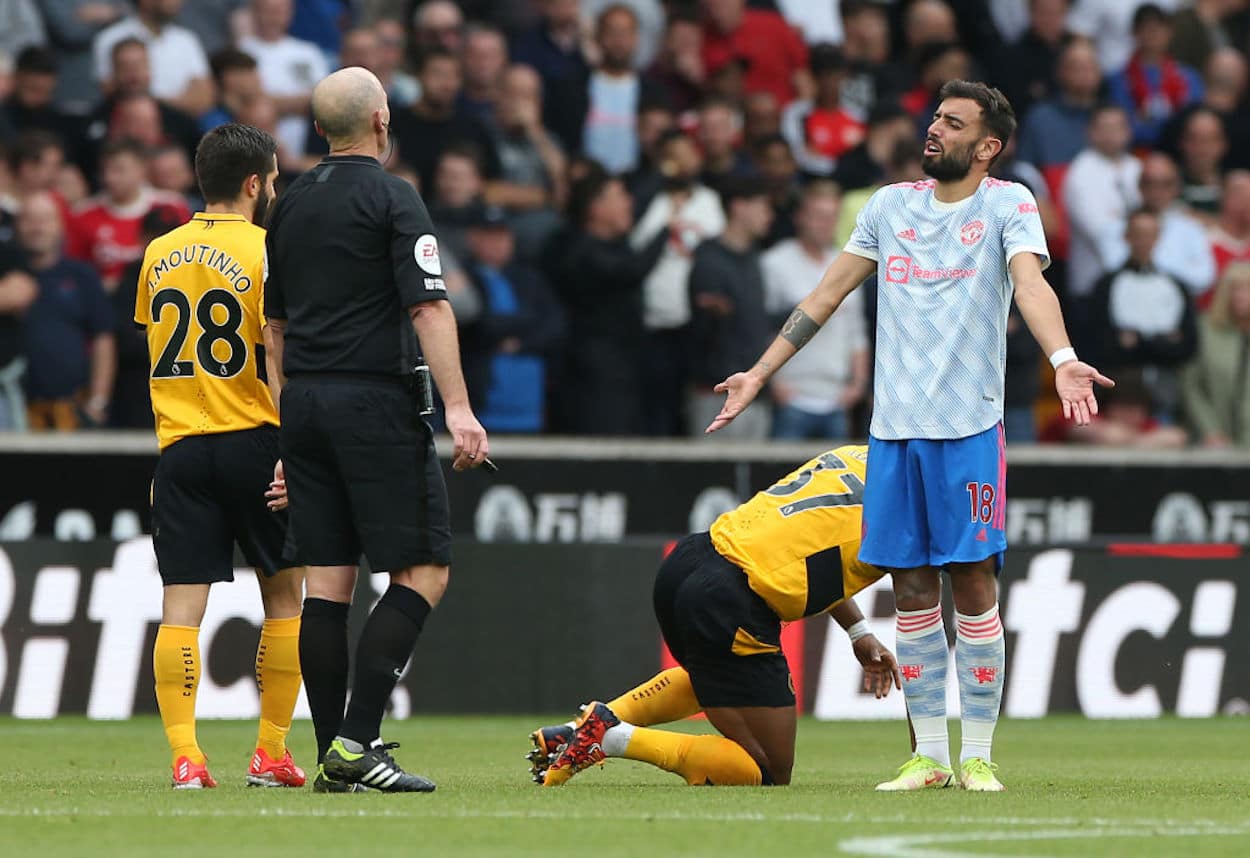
(350, 247)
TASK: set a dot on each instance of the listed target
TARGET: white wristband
(1062, 356)
(858, 630)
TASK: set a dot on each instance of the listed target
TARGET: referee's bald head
(345, 104)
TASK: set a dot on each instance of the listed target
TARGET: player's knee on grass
(916, 589)
(429, 581)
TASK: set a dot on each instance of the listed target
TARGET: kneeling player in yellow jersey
(199, 297)
(789, 552)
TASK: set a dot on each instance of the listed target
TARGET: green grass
(1077, 788)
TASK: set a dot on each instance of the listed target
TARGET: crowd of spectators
(631, 194)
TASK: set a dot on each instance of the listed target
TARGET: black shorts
(209, 493)
(719, 630)
(362, 475)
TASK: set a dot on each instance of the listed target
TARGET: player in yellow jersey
(788, 553)
(199, 296)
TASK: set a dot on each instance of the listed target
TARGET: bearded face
(947, 164)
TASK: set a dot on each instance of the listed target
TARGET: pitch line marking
(922, 845)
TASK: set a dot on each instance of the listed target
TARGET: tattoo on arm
(799, 328)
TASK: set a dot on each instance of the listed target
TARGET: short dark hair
(671, 135)
(741, 188)
(586, 190)
(36, 59)
(997, 117)
(30, 144)
(1140, 211)
(128, 42)
(1150, 13)
(432, 53)
(230, 60)
(227, 155)
(464, 149)
(762, 144)
(122, 146)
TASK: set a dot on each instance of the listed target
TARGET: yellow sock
(700, 760)
(176, 667)
(666, 697)
(278, 677)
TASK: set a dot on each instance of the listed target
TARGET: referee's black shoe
(373, 766)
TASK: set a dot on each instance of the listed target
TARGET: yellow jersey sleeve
(798, 540)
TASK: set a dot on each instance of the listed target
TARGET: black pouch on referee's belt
(421, 386)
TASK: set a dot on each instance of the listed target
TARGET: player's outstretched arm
(741, 388)
(1074, 379)
(880, 666)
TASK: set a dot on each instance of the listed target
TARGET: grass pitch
(1077, 788)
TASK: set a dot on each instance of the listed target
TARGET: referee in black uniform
(354, 283)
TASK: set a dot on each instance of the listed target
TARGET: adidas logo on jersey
(907, 235)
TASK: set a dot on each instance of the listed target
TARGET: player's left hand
(1074, 382)
(740, 390)
(880, 668)
(277, 490)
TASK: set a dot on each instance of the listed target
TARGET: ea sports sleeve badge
(426, 253)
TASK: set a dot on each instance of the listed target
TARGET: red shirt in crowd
(772, 49)
(110, 237)
(1225, 248)
(832, 133)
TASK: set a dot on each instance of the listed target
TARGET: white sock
(977, 738)
(616, 739)
(932, 740)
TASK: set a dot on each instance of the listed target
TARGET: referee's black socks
(386, 644)
(323, 659)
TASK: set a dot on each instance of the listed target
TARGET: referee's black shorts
(208, 493)
(719, 629)
(362, 474)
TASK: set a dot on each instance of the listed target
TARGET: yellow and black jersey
(798, 541)
(200, 298)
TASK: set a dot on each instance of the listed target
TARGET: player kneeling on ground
(199, 297)
(721, 596)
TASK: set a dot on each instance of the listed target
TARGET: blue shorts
(930, 503)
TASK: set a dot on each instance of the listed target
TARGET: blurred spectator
(1198, 30)
(531, 179)
(106, 231)
(720, 130)
(761, 117)
(556, 48)
(1145, 317)
(36, 159)
(818, 387)
(819, 130)
(131, 406)
(1215, 390)
(939, 62)
(437, 24)
(650, 17)
(402, 89)
(655, 119)
(815, 22)
(688, 213)
(169, 169)
(1230, 235)
(608, 101)
(1125, 419)
(216, 22)
(1025, 69)
(32, 103)
(1109, 23)
(520, 329)
(130, 77)
(23, 26)
(1056, 129)
(72, 27)
(422, 131)
(71, 354)
(1011, 18)
(865, 165)
(774, 54)
(874, 78)
(238, 85)
(1203, 145)
(1183, 250)
(599, 278)
(137, 117)
(678, 68)
(360, 47)
(322, 23)
(289, 69)
(484, 59)
(1099, 191)
(180, 73)
(775, 164)
(729, 325)
(457, 195)
(1225, 80)
(18, 291)
(1153, 86)
(925, 23)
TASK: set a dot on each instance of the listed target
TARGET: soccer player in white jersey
(947, 252)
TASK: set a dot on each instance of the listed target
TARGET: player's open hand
(277, 489)
(880, 668)
(1074, 382)
(470, 447)
(742, 388)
